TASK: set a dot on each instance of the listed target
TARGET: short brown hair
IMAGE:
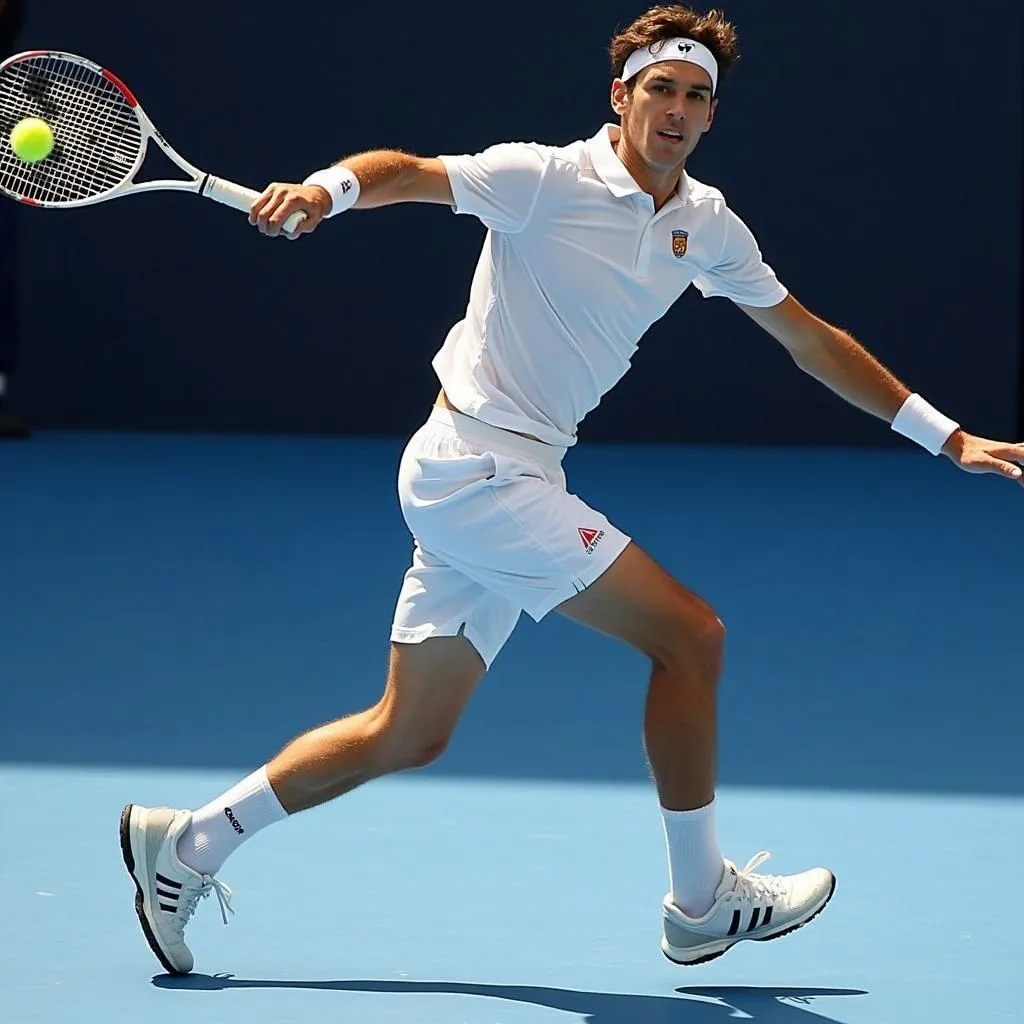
(667, 22)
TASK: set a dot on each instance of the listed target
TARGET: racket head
(99, 130)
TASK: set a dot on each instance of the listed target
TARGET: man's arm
(363, 181)
(835, 358)
(389, 176)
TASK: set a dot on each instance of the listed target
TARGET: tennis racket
(101, 136)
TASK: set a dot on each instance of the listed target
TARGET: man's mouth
(671, 135)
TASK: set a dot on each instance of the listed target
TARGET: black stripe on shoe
(124, 834)
(735, 926)
(767, 915)
(167, 895)
(169, 908)
(167, 881)
(754, 919)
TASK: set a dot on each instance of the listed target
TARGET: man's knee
(417, 752)
(403, 744)
(694, 637)
(424, 754)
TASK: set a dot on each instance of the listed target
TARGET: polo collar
(612, 171)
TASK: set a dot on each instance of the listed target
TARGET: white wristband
(924, 424)
(340, 183)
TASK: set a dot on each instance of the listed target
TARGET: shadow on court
(198, 601)
(695, 1004)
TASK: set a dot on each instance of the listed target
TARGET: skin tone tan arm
(837, 360)
(386, 176)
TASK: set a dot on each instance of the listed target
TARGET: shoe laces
(190, 898)
(758, 888)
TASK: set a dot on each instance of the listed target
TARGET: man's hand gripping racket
(101, 137)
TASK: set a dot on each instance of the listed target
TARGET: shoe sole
(140, 899)
(761, 938)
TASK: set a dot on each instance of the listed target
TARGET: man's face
(667, 111)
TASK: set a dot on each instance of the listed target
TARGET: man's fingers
(273, 208)
(1010, 452)
(1006, 468)
(278, 204)
(264, 216)
(1003, 459)
(262, 204)
(304, 226)
(307, 223)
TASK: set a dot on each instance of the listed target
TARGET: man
(587, 245)
(12, 14)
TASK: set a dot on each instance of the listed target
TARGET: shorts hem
(594, 572)
(417, 634)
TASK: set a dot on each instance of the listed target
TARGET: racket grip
(241, 198)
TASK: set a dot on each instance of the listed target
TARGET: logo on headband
(679, 239)
(685, 47)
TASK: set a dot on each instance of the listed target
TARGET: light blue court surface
(174, 609)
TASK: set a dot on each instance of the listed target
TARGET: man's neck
(660, 185)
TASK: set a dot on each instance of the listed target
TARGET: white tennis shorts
(495, 530)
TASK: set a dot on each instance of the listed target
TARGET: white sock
(221, 826)
(695, 860)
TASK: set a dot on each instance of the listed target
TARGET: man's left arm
(842, 364)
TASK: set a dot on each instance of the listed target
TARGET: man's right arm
(389, 176)
(382, 177)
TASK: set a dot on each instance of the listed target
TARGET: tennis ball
(32, 140)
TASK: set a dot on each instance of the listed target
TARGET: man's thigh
(637, 601)
(429, 685)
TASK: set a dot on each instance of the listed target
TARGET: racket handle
(241, 198)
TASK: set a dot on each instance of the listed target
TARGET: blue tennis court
(174, 609)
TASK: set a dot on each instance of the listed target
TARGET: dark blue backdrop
(879, 163)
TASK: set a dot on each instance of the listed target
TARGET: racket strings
(98, 137)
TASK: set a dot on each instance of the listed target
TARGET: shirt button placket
(643, 256)
(647, 219)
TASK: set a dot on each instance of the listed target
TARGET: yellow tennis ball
(32, 140)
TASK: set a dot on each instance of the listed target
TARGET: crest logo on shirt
(590, 538)
(679, 240)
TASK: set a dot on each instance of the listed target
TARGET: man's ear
(619, 96)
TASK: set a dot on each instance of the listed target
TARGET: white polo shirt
(575, 267)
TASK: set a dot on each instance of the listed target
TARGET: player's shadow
(697, 1004)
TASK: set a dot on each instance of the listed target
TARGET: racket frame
(198, 182)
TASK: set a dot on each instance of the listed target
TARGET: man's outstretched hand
(981, 455)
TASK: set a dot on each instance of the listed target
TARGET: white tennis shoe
(168, 890)
(747, 906)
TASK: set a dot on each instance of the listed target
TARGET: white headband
(688, 50)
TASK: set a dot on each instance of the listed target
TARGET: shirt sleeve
(740, 273)
(499, 185)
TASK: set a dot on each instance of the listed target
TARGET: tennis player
(586, 246)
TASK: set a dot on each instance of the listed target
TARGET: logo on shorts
(590, 538)
(679, 240)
